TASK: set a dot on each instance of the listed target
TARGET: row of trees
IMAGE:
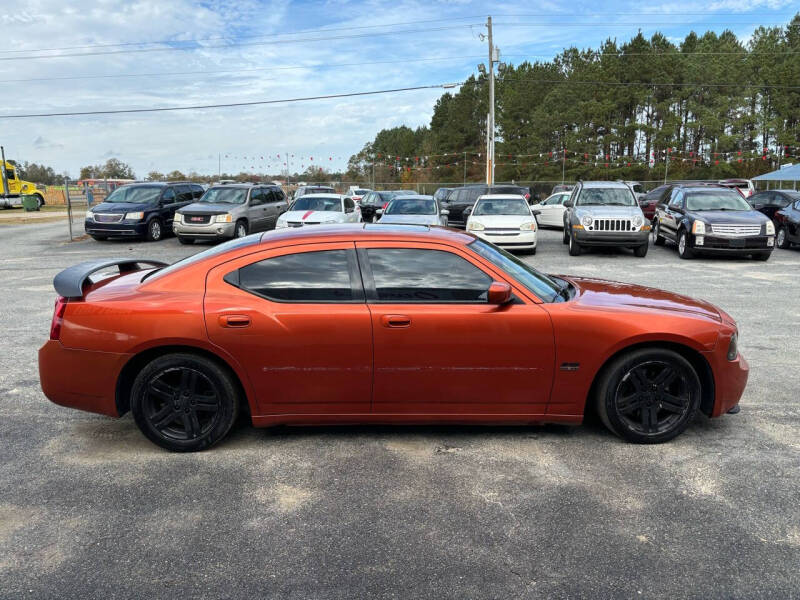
(708, 95)
(113, 169)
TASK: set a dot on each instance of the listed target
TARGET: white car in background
(505, 220)
(320, 209)
(413, 210)
(357, 193)
(550, 213)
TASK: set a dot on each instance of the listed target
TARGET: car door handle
(234, 321)
(395, 321)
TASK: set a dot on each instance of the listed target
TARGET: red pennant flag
(716, 162)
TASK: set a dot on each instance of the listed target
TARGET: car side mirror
(499, 293)
(568, 203)
(536, 213)
(444, 212)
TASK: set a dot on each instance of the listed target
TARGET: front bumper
(522, 240)
(205, 231)
(124, 228)
(611, 238)
(730, 379)
(82, 379)
(732, 245)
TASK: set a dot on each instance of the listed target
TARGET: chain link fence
(79, 198)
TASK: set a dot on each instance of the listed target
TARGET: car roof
(605, 184)
(325, 195)
(364, 231)
(242, 186)
(414, 197)
(501, 197)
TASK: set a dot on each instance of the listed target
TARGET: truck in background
(13, 188)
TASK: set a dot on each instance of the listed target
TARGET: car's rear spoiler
(69, 282)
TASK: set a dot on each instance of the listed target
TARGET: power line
(648, 83)
(223, 37)
(237, 44)
(227, 105)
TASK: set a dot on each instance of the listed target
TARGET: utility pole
(465, 168)
(666, 165)
(6, 191)
(490, 137)
(219, 166)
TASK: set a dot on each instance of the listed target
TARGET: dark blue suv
(142, 210)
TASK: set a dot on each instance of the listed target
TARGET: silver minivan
(228, 211)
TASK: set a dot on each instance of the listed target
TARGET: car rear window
(234, 244)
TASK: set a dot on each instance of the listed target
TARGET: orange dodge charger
(379, 324)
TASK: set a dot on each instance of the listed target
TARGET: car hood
(738, 217)
(208, 208)
(612, 212)
(601, 293)
(313, 216)
(501, 221)
(411, 219)
(120, 207)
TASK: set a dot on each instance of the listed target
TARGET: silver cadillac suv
(604, 213)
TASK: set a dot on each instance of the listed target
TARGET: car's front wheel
(641, 251)
(648, 396)
(684, 249)
(241, 229)
(780, 238)
(184, 402)
(574, 247)
(154, 230)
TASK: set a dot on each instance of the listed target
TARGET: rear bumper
(81, 379)
(631, 238)
(138, 228)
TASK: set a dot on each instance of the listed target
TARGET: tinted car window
(168, 195)
(349, 205)
(135, 194)
(715, 200)
(411, 206)
(677, 198)
(306, 277)
(184, 193)
(415, 275)
(256, 196)
(197, 191)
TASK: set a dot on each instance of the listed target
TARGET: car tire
(684, 250)
(185, 240)
(658, 239)
(565, 237)
(574, 247)
(184, 402)
(641, 251)
(648, 396)
(781, 239)
(532, 251)
(762, 256)
(155, 230)
(100, 238)
(240, 230)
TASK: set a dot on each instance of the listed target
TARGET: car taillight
(58, 318)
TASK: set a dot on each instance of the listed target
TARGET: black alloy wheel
(658, 239)
(154, 230)
(184, 402)
(648, 396)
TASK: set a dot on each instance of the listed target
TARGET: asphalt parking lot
(89, 507)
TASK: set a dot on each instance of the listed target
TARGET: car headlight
(587, 220)
(733, 347)
(178, 218)
(638, 221)
(226, 218)
(530, 226)
(280, 223)
(89, 215)
(134, 216)
(475, 226)
(699, 228)
(770, 228)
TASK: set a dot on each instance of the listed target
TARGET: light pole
(494, 58)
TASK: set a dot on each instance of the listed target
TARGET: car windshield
(605, 197)
(411, 206)
(225, 195)
(361, 192)
(716, 200)
(396, 193)
(323, 203)
(317, 190)
(138, 194)
(502, 206)
(541, 284)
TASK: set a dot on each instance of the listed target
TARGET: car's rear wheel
(185, 240)
(574, 247)
(184, 402)
(648, 396)
(241, 229)
(658, 239)
(780, 238)
(641, 251)
(684, 250)
(155, 231)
